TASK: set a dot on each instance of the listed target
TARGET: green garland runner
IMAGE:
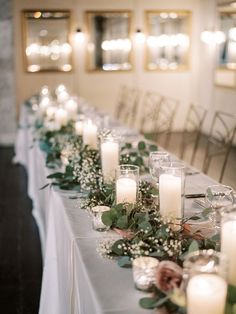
(143, 231)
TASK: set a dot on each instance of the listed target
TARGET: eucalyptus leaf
(206, 212)
(193, 246)
(56, 175)
(145, 225)
(231, 295)
(44, 146)
(152, 148)
(156, 254)
(141, 145)
(106, 218)
(152, 303)
(124, 261)
(117, 247)
(122, 222)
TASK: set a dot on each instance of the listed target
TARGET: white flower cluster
(87, 170)
(104, 248)
(71, 149)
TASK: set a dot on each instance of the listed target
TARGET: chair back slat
(220, 140)
(192, 130)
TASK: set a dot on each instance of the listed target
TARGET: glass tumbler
(127, 182)
(205, 279)
(218, 196)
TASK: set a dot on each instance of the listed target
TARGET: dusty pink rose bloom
(168, 276)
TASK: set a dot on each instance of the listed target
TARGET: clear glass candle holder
(110, 156)
(218, 196)
(206, 286)
(144, 272)
(90, 134)
(155, 160)
(228, 234)
(127, 181)
(171, 190)
(96, 214)
(79, 125)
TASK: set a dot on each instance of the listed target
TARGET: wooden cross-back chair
(127, 105)
(149, 113)
(166, 115)
(220, 139)
(192, 130)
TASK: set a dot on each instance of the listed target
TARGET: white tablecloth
(75, 278)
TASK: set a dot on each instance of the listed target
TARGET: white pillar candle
(51, 112)
(79, 127)
(62, 96)
(44, 104)
(71, 107)
(228, 232)
(45, 90)
(206, 294)
(61, 117)
(90, 134)
(126, 190)
(110, 159)
(170, 196)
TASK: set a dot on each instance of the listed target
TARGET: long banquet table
(76, 279)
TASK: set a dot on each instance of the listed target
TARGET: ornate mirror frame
(115, 48)
(45, 51)
(168, 47)
(225, 73)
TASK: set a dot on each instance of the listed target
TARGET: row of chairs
(157, 114)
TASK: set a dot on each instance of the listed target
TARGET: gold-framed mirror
(168, 39)
(225, 73)
(109, 44)
(46, 45)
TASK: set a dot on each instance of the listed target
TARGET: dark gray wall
(7, 88)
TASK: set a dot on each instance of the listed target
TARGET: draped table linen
(76, 279)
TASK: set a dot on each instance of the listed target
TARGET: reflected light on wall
(116, 44)
(168, 40)
(33, 68)
(53, 50)
(213, 37)
(66, 67)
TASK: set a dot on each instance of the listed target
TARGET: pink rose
(168, 276)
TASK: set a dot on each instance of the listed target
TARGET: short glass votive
(171, 189)
(218, 196)
(144, 272)
(228, 234)
(96, 214)
(127, 182)
(110, 156)
(204, 278)
(155, 160)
